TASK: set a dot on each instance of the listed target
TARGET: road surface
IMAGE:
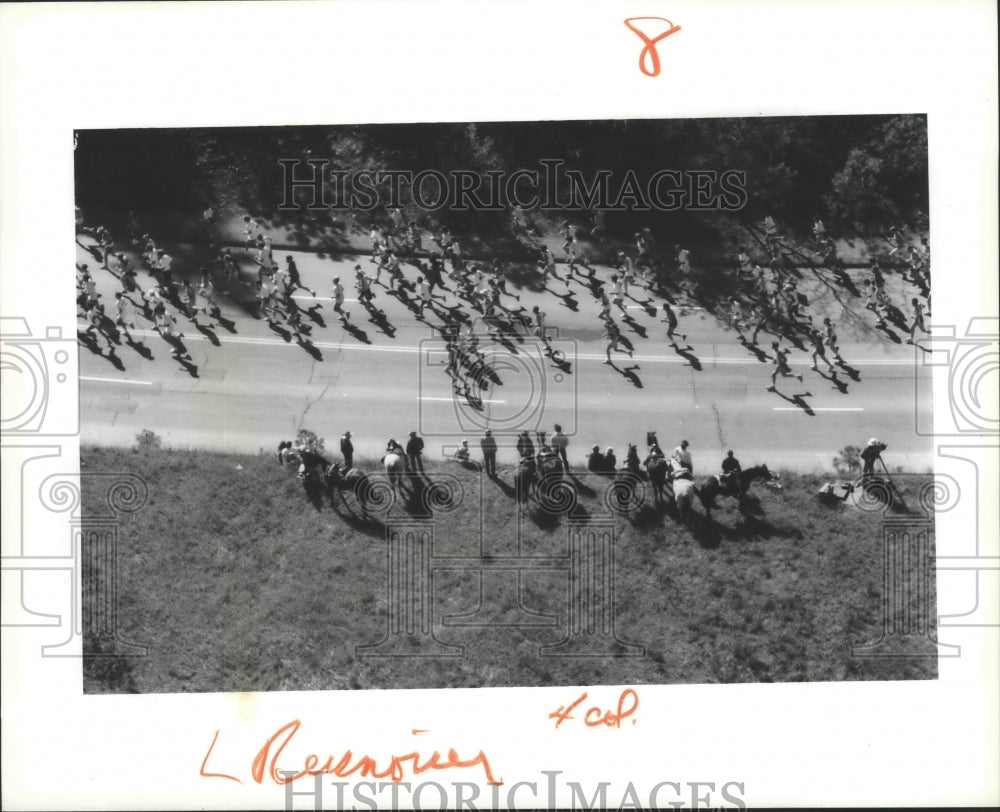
(246, 387)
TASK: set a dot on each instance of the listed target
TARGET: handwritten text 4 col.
(628, 703)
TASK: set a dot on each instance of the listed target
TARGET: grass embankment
(236, 582)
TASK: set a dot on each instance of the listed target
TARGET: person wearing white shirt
(559, 442)
(424, 292)
(126, 315)
(683, 456)
(338, 298)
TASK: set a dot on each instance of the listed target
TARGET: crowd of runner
(469, 301)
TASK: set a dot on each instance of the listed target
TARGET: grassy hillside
(237, 582)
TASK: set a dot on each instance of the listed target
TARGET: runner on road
(918, 319)
(671, 320)
(780, 366)
(615, 340)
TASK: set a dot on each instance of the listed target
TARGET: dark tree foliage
(860, 173)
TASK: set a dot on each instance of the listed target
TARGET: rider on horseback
(392, 447)
(313, 462)
(731, 470)
(682, 457)
(525, 448)
(654, 454)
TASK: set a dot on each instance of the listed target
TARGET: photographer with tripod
(871, 454)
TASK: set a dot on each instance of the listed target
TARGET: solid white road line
(117, 380)
(456, 398)
(439, 345)
(322, 299)
(819, 409)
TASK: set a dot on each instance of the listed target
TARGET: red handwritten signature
(628, 703)
(266, 762)
(649, 49)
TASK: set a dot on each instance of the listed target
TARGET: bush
(147, 440)
(848, 461)
(309, 440)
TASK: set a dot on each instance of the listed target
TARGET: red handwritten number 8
(650, 47)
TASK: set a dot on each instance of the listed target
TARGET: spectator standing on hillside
(559, 442)
(414, 452)
(489, 447)
(347, 449)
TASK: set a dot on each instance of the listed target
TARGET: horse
(736, 487)
(658, 469)
(827, 494)
(632, 460)
(312, 464)
(349, 479)
(395, 468)
(627, 488)
(684, 491)
(550, 468)
(287, 455)
(312, 472)
(524, 478)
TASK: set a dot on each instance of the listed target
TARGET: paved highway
(246, 387)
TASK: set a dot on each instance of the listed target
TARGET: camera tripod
(880, 466)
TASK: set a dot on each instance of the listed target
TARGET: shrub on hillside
(848, 461)
(147, 440)
(310, 440)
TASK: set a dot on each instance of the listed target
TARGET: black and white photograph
(499, 405)
(508, 404)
